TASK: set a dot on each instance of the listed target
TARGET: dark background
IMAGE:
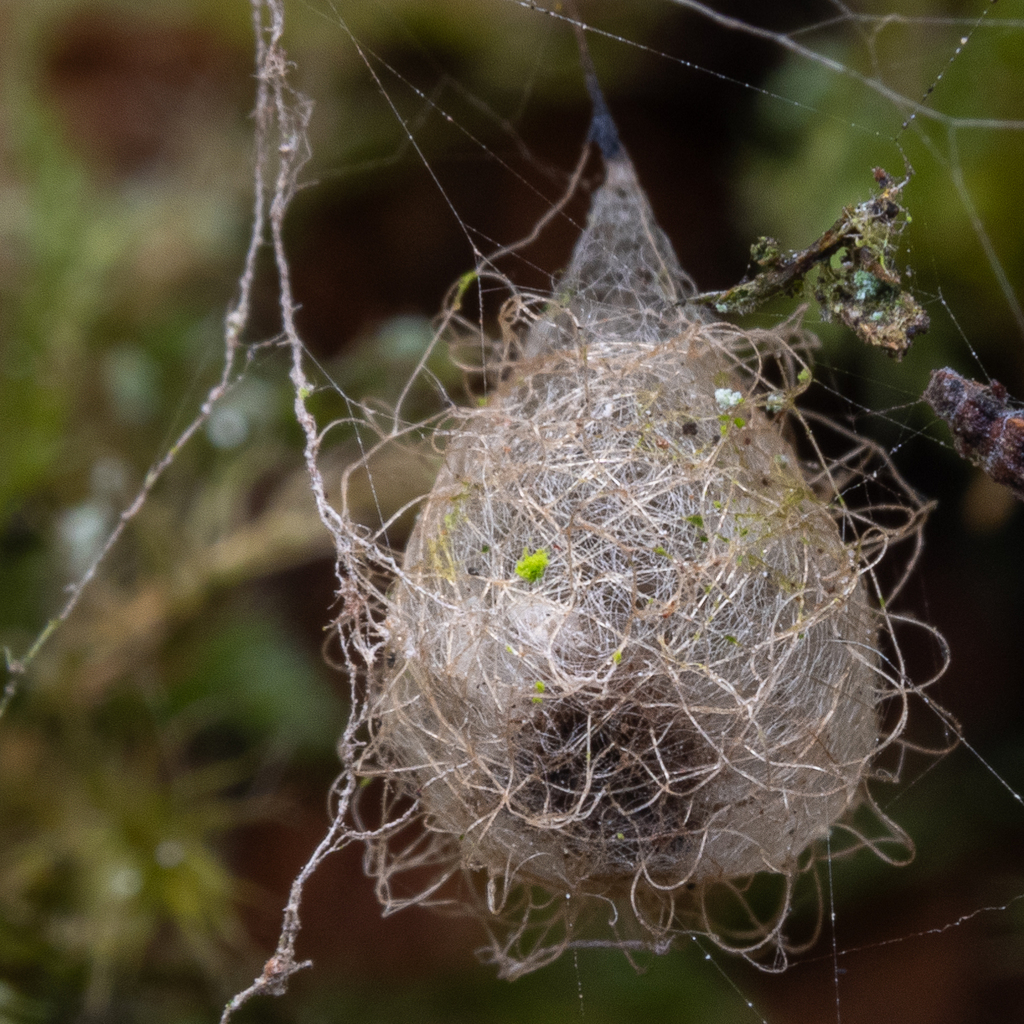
(164, 768)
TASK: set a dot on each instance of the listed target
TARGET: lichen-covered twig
(986, 428)
(857, 278)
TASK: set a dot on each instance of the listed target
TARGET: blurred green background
(165, 764)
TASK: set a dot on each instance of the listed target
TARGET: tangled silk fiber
(633, 654)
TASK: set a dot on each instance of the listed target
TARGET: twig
(857, 277)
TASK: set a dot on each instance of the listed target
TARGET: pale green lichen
(531, 567)
(727, 398)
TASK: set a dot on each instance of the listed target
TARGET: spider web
(741, 128)
(447, 145)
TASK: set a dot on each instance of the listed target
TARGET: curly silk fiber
(630, 658)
